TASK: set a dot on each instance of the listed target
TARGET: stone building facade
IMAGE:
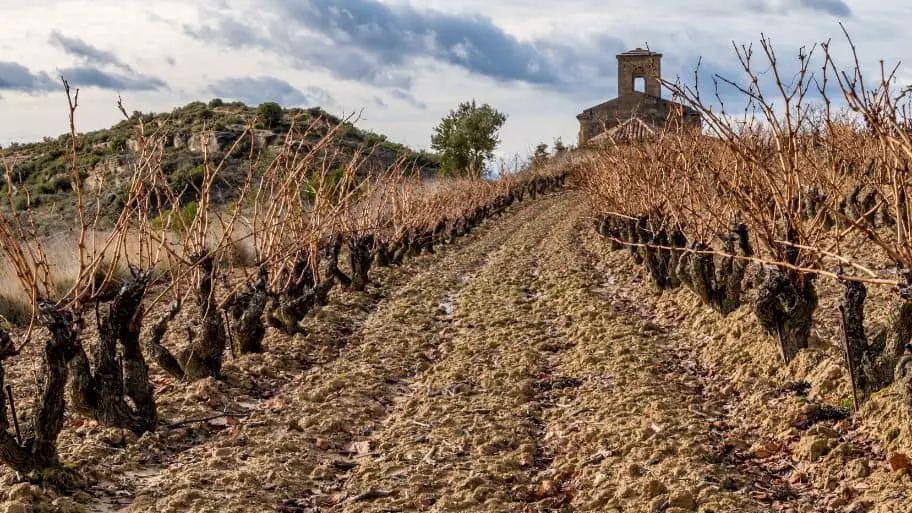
(646, 105)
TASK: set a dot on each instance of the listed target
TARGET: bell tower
(643, 64)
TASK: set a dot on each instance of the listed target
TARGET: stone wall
(646, 105)
(632, 67)
(651, 109)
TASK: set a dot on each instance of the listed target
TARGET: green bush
(372, 139)
(330, 185)
(269, 115)
(216, 102)
(59, 183)
(193, 106)
(393, 147)
(188, 178)
(119, 143)
(92, 160)
(21, 202)
(242, 150)
(348, 131)
(318, 113)
(187, 215)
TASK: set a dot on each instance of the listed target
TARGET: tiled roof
(633, 129)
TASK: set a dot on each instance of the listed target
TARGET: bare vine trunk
(785, 307)
(37, 450)
(103, 394)
(203, 358)
(875, 363)
(288, 307)
(247, 310)
(360, 256)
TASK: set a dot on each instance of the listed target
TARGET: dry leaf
(899, 461)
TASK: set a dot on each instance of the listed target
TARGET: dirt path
(296, 449)
(548, 398)
(514, 371)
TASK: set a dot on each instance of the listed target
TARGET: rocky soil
(525, 368)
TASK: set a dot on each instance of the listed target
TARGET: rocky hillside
(187, 136)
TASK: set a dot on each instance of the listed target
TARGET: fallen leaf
(899, 461)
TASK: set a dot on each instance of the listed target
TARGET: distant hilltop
(186, 137)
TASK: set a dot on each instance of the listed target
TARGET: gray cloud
(831, 7)
(90, 54)
(409, 98)
(380, 44)
(87, 76)
(90, 73)
(834, 7)
(256, 90)
(395, 34)
(16, 77)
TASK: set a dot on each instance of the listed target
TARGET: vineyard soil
(525, 367)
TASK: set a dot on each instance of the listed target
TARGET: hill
(184, 139)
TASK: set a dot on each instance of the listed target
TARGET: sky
(397, 65)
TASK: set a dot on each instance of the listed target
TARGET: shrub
(187, 215)
(269, 115)
(59, 183)
(372, 139)
(22, 202)
(187, 179)
(119, 143)
(330, 184)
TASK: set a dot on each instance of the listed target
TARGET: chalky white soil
(524, 368)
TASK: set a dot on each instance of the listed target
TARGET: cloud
(91, 74)
(16, 77)
(834, 7)
(394, 35)
(409, 98)
(256, 90)
(381, 44)
(831, 7)
(87, 76)
(88, 53)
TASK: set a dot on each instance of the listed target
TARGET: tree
(269, 114)
(466, 138)
(559, 147)
(541, 154)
